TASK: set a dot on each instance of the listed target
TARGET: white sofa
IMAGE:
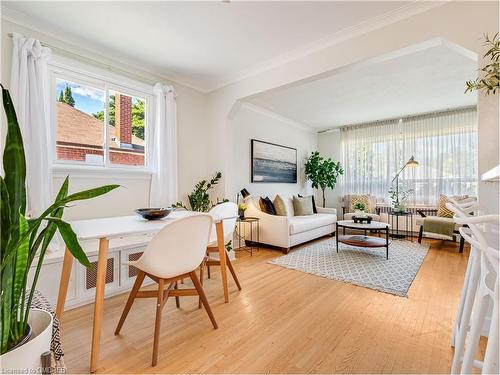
(288, 231)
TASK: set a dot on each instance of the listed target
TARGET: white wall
(252, 123)
(192, 138)
(329, 146)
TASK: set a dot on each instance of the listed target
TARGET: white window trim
(64, 68)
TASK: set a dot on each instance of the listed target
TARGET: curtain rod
(96, 62)
(377, 122)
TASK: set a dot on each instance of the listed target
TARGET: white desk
(115, 227)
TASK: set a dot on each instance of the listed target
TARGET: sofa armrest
(326, 210)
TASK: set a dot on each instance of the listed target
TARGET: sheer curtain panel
(164, 156)
(444, 144)
(29, 91)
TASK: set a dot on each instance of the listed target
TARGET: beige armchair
(369, 200)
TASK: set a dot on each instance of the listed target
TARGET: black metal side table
(242, 235)
(396, 232)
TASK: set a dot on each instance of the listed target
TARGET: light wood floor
(284, 321)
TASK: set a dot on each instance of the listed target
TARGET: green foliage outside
(489, 75)
(66, 96)
(138, 112)
(25, 240)
(322, 172)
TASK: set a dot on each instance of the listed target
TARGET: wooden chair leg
(159, 306)
(208, 272)
(203, 297)
(201, 282)
(137, 285)
(462, 243)
(231, 269)
(177, 300)
(420, 233)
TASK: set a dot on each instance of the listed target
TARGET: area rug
(365, 267)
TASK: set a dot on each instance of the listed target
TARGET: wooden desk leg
(222, 257)
(99, 302)
(64, 283)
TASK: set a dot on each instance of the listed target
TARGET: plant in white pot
(24, 241)
(360, 209)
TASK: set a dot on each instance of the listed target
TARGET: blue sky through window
(87, 99)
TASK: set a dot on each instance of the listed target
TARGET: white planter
(359, 213)
(27, 357)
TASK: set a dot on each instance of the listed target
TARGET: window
(98, 123)
(444, 144)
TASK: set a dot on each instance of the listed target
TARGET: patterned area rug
(360, 266)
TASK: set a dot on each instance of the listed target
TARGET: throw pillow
(315, 210)
(360, 198)
(443, 211)
(283, 206)
(267, 206)
(302, 206)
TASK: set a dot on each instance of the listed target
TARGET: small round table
(401, 233)
(364, 240)
(251, 221)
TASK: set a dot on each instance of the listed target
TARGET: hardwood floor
(284, 321)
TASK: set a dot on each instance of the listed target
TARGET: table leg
(337, 236)
(99, 302)
(222, 257)
(387, 243)
(64, 283)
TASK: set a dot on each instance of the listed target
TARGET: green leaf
(70, 240)
(20, 276)
(14, 164)
(5, 224)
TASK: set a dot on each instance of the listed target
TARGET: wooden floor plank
(284, 321)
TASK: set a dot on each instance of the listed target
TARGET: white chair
(478, 293)
(228, 212)
(173, 254)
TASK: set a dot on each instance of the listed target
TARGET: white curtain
(30, 95)
(164, 154)
(444, 144)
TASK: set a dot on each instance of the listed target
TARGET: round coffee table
(364, 240)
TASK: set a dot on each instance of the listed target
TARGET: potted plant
(24, 241)
(360, 209)
(322, 172)
(242, 207)
(399, 198)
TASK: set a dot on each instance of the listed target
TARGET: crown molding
(275, 116)
(75, 43)
(371, 24)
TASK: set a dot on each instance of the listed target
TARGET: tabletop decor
(242, 207)
(322, 172)
(360, 209)
(154, 213)
(24, 240)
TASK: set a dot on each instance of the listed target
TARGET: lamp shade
(244, 193)
(412, 162)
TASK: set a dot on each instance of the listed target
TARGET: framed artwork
(273, 163)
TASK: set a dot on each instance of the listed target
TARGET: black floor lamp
(410, 163)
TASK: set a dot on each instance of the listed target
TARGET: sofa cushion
(349, 216)
(283, 206)
(315, 210)
(267, 206)
(302, 206)
(299, 224)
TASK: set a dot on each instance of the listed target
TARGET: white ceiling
(203, 44)
(429, 80)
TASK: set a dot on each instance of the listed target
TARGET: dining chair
(228, 212)
(172, 254)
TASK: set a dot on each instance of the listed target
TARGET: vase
(25, 358)
(241, 214)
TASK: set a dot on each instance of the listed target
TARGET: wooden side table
(253, 222)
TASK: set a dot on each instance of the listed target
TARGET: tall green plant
(24, 239)
(199, 200)
(322, 172)
(490, 75)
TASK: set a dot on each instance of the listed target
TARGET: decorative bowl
(153, 213)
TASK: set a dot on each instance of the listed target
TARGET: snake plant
(24, 240)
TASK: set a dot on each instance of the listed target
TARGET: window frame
(106, 81)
